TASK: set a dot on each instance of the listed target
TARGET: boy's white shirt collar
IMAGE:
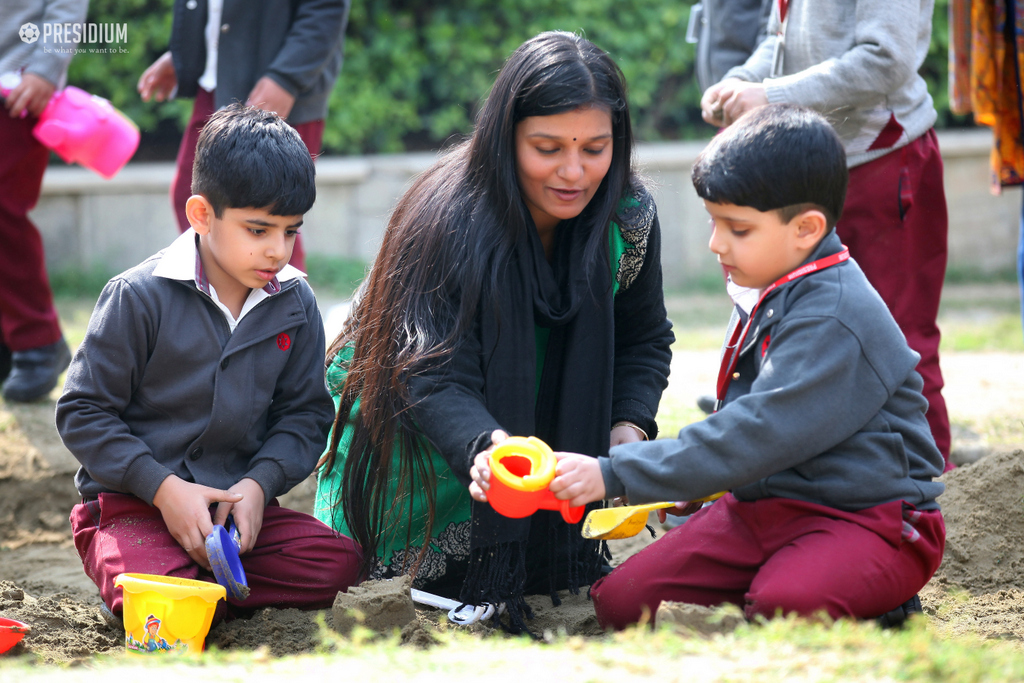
(178, 262)
(744, 297)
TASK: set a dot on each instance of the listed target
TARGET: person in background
(33, 352)
(726, 33)
(280, 56)
(858, 64)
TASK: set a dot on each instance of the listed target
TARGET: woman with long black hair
(517, 291)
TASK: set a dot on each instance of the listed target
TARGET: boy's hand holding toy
(248, 512)
(185, 508)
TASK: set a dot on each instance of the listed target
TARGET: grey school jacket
(857, 63)
(827, 409)
(160, 386)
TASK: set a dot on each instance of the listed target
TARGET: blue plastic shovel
(222, 546)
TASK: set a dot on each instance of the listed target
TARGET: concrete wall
(87, 221)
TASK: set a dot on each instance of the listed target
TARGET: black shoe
(899, 616)
(707, 403)
(34, 372)
(5, 362)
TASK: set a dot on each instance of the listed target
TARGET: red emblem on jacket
(284, 341)
(764, 345)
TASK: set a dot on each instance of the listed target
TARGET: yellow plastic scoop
(625, 521)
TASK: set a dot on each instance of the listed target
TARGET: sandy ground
(42, 583)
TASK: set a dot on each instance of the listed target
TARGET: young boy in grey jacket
(820, 435)
(200, 383)
(858, 63)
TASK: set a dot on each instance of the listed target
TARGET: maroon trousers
(297, 562)
(779, 554)
(27, 316)
(311, 132)
(895, 224)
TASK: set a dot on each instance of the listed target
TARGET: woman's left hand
(625, 434)
(480, 472)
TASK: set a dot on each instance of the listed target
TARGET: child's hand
(578, 479)
(185, 508)
(31, 95)
(270, 96)
(681, 509)
(159, 80)
(713, 99)
(248, 512)
(481, 470)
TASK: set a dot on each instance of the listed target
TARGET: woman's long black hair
(457, 220)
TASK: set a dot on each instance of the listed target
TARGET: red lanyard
(783, 8)
(739, 334)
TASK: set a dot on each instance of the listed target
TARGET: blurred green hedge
(415, 72)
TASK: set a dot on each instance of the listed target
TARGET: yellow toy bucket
(167, 614)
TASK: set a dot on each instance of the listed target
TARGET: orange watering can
(521, 469)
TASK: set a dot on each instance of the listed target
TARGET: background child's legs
(297, 561)
(895, 224)
(778, 553)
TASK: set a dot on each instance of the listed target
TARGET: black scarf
(570, 412)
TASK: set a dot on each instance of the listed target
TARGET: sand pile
(984, 511)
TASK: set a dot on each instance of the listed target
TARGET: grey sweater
(44, 57)
(827, 409)
(161, 386)
(856, 62)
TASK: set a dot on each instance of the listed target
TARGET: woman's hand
(625, 434)
(480, 472)
(578, 479)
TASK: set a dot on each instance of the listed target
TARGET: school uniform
(167, 382)
(821, 440)
(858, 64)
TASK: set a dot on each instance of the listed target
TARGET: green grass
(779, 650)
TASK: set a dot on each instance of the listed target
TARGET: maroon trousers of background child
(895, 224)
(311, 132)
(27, 316)
(779, 553)
(297, 562)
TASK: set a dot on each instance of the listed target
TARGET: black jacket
(298, 43)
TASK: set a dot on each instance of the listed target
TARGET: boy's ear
(200, 213)
(810, 228)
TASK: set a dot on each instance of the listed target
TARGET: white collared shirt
(180, 261)
(214, 9)
(744, 297)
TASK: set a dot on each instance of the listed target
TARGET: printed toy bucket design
(521, 469)
(167, 614)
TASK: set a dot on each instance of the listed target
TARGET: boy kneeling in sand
(820, 434)
(201, 381)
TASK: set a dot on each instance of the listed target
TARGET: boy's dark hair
(247, 157)
(778, 157)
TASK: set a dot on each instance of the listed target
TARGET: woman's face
(560, 162)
